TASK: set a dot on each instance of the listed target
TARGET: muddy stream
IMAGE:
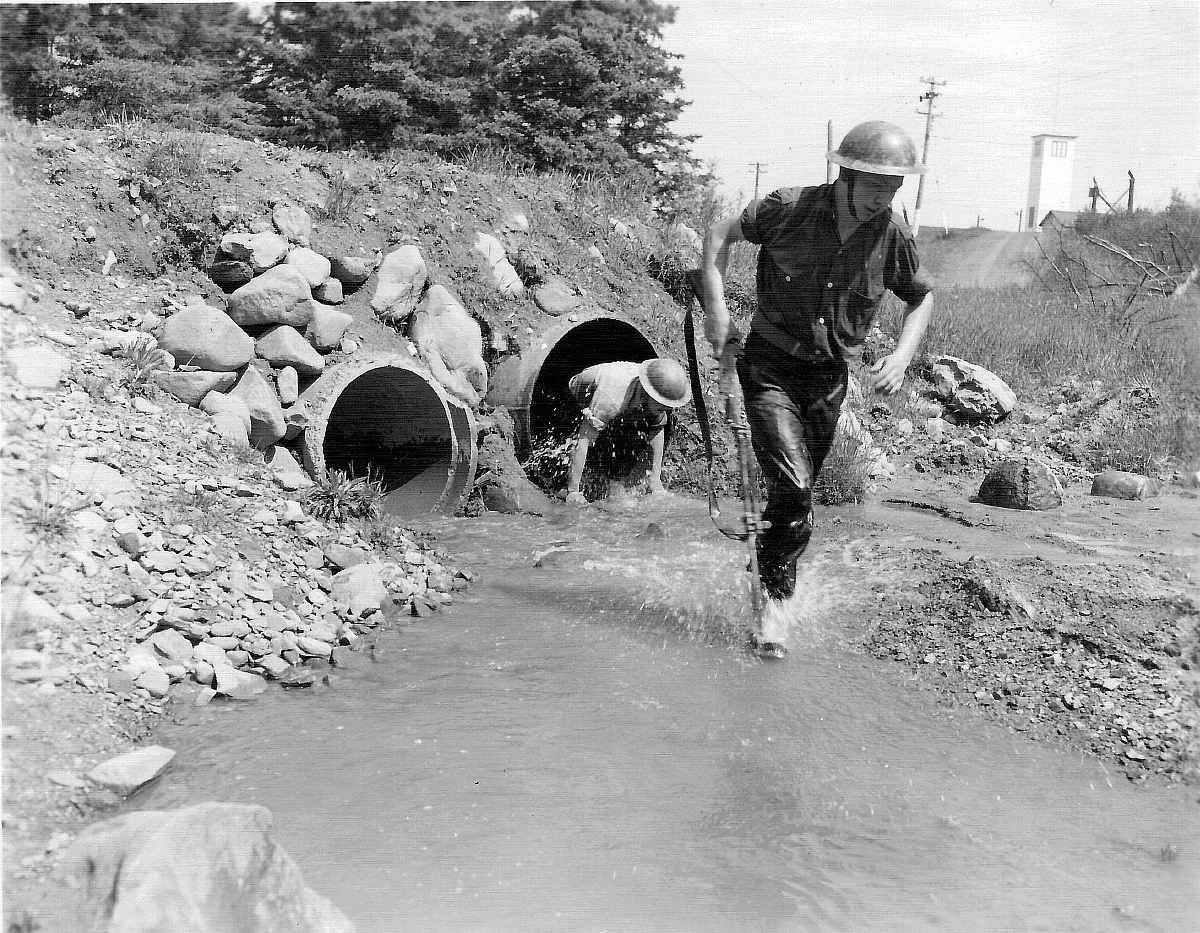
(581, 747)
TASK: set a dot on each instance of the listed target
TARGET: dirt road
(981, 258)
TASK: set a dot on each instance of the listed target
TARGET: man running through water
(827, 254)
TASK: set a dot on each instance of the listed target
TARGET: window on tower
(1058, 147)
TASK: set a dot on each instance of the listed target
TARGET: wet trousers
(792, 406)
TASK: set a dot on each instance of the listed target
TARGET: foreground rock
(211, 867)
(1021, 484)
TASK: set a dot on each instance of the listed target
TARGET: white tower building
(1051, 171)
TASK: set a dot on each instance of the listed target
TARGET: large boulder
(970, 392)
(450, 342)
(1021, 483)
(286, 346)
(402, 278)
(505, 486)
(279, 296)
(191, 387)
(267, 424)
(206, 337)
(504, 276)
(213, 866)
(261, 251)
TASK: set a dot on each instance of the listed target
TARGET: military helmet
(877, 148)
(665, 381)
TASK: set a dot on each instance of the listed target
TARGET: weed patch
(339, 497)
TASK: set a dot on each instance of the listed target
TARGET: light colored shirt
(609, 390)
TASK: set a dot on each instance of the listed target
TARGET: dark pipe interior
(390, 424)
(553, 413)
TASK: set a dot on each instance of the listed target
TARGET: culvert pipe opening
(535, 390)
(390, 422)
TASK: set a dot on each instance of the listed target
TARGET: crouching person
(623, 394)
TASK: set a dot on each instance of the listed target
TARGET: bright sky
(1123, 76)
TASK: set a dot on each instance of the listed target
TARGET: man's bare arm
(713, 264)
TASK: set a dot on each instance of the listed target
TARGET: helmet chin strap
(851, 178)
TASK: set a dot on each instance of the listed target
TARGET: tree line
(583, 85)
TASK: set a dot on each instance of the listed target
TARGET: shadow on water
(578, 746)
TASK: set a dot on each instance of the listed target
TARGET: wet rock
(1118, 484)
(297, 677)
(238, 685)
(1021, 483)
(401, 280)
(215, 866)
(207, 338)
(126, 773)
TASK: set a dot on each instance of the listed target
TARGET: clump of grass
(123, 130)
(845, 478)
(339, 201)
(174, 156)
(339, 497)
(143, 359)
(51, 515)
(249, 454)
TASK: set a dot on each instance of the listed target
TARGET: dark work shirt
(817, 296)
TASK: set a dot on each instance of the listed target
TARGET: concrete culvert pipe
(533, 386)
(386, 417)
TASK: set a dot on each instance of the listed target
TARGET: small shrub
(124, 131)
(339, 201)
(143, 359)
(845, 478)
(339, 497)
(52, 509)
(173, 157)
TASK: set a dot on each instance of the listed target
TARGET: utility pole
(828, 148)
(1129, 203)
(758, 167)
(1094, 192)
(929, 97)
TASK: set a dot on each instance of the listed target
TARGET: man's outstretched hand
(887, 374)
